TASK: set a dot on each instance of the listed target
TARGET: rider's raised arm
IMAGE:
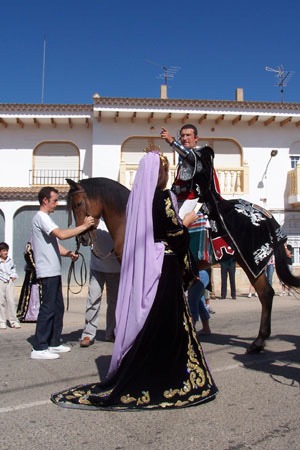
(183, 152)
(180, 149)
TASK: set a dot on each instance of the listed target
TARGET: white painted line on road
(274, 361)
(24, 406)
(233, 366)
(221, 369)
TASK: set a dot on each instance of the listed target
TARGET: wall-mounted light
(273, 153)
(261, 183)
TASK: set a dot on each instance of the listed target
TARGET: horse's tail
(282, 268)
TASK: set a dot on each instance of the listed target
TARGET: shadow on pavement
(102, 364)
(225, 339)
(281, 365)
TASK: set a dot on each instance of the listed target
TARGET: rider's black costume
(248, 228)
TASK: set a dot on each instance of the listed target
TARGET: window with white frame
(294, 154)
(294, 160)
(53, 162)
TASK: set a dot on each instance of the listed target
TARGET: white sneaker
(60, 349)
(43, 354)
(15, 325)
(2, 326)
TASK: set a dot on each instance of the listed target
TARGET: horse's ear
(72, 184)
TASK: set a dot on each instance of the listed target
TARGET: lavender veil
(141, 262)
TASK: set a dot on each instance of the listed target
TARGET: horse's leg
(265, 293)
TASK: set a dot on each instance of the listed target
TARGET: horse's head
(79, 204)
(101, 198)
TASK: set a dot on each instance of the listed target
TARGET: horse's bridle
(89, 231)
(87, 213)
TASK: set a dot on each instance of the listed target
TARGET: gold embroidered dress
(165, 367)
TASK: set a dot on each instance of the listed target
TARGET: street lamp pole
(261, 183)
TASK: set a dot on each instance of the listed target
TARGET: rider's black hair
(188, 125)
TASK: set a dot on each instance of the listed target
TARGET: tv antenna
(168, 73)
(283, 76)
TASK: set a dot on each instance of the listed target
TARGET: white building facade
(44, 144)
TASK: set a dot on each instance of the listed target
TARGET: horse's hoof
(254, 349)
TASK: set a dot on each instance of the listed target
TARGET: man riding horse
(196, 181)
(236, 225)
(184, 186)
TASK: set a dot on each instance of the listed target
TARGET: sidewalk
(74, 316)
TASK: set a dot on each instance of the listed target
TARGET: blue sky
(119, 49)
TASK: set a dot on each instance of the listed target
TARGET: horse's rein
(99, 256)
(83, 274)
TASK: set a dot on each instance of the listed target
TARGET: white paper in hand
(187, 207)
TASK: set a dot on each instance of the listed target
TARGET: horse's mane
(111, 192)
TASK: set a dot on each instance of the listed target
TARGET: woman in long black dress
(31, 292)
(157, 361)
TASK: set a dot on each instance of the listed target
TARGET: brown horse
(102, 197)
(99, 197)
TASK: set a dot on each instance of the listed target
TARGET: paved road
(258, 406)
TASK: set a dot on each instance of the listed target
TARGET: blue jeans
(269, 273)
(50, 319)
(228, 267)
(196, 298)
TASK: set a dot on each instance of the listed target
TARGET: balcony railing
(42, 177)
(128, 171)
(233, 180)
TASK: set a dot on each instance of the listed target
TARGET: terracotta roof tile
(27, 193)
